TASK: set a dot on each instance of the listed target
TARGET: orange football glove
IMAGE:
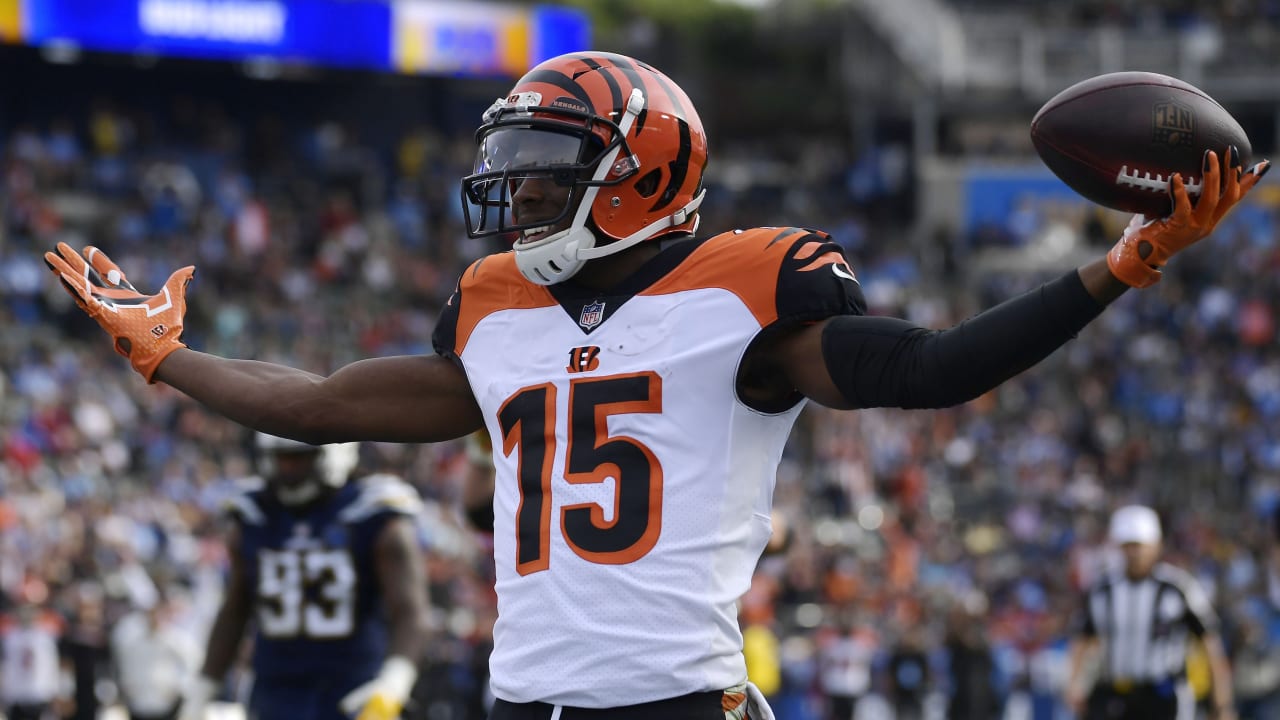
(1147, 245)
(145, 328)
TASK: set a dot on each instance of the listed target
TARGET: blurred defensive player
(331, 575)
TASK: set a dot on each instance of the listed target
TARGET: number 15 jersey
(633, 485)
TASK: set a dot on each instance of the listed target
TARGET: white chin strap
(676, 218)
(559, 256)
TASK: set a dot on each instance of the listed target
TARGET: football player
(331, 576)
(638, 381)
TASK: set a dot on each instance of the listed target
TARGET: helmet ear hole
(648, 185)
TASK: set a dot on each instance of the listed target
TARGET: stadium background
(312, 178)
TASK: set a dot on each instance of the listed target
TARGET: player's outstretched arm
(859, 361)
(406, 398)
(398, 399)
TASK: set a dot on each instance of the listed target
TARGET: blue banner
(556, 31)
(421, 37)
(994, 194)
(349, 33)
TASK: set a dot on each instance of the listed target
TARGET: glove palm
(144, 328)
(1147, 245)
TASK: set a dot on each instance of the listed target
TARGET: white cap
(1135, 524)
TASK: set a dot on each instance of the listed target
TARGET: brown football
(1117, 138)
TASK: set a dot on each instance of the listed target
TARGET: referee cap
(1135, 524)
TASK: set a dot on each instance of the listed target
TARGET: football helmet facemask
(620, 135)
(333, 465)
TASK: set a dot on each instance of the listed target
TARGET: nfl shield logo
(591, 315)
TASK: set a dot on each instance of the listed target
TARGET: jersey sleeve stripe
(827, 258)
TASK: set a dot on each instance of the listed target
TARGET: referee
(1139, 620)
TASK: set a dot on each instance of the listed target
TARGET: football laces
(1154, 183)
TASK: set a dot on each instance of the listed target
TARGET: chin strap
(675, 219)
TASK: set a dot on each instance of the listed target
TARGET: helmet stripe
(615, 92)
(560, 80)
(672, 93)
(637, 80)
(680, 167)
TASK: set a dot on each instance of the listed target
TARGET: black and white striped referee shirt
(1144, 624)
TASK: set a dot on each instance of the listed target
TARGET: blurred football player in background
(331, 575)
(638, 382)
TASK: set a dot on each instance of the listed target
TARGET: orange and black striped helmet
(620, 133)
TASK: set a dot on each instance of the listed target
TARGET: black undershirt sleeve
(887, 362)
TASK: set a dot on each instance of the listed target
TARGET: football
(1116, 139)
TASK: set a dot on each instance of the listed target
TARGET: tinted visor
(516, 148)
(511, 154)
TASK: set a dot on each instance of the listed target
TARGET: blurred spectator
(846, 658)
(1256, 669)
(155, 659)
(29, 667)
(909, 676)
(972, 668)
(760, 647)
(85, 651)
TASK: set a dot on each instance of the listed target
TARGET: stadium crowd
(922, 560)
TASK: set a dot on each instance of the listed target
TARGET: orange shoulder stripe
(745, 263)
(494, 283)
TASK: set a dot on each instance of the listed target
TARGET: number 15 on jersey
(529, 423)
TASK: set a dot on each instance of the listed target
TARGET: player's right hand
(1146, 246)
(144, 328)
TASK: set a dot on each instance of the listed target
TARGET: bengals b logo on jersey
(584, 359)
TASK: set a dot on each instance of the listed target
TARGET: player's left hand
(144, 328)
(383, 697)
(1146, 245)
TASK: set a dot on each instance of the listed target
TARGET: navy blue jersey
(318, 607)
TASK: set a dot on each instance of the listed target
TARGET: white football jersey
(633, 486)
